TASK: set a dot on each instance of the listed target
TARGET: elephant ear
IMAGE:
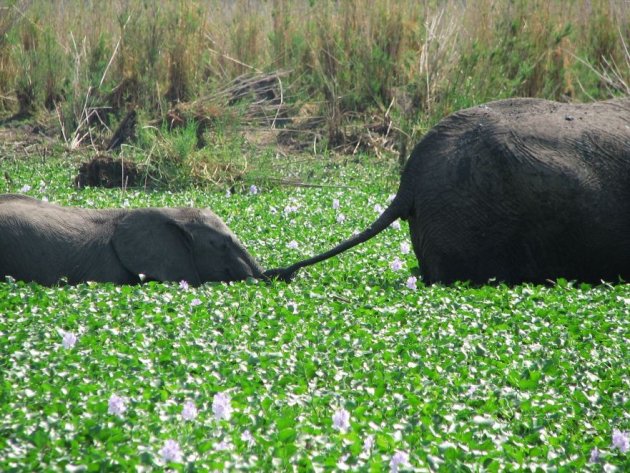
(154, 244)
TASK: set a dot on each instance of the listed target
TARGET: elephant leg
(438, 259)
(430, 263)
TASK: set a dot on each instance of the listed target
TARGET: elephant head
(181, 244)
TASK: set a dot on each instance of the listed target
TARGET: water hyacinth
(290, 209)
(396, 265)
(224, 445)
(378, 208)
(171, 452)
(116, 405)
(400, 459)
(621, 440)
(341, 464)
(69, 340)
(248, 438)
(341, 218)
(189, 411)
(411, 282)
(221, 407)
(368, 444)
(341, 420)
(292, 245)
(183, 285)
(404, 248)
(471, 390)
(228, 193)
(395, 225)
(25, 188)
(335, 204)
(595, 456)
(253, 190)
(195, 302)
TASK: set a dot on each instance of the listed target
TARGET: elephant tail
(395, 210)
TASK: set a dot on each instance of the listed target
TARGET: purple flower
(335, 204)
(195, 302)
(293, 245)
(368, 443)
(253, 189)
(341, 464)
(116, 405)
(411, 282)
(290, 209)
(404, 248)
(221, 406)
(595, 454)
(391, 198)
(396, 225)
(69, 340)
(171, 452)
(228, 193)
(223, 445)
(189, 412)
(396, 265)
(183, 285)
(378, 209)
(25, 188)
(248, 438)
(399, 459)
(621, 440)
(341, 420)
(341, 218)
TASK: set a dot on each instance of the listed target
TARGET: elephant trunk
(398, 208)
(259, 272)
(253, 268)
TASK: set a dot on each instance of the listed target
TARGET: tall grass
(418, 60)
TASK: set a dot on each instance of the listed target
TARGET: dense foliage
(350, 367)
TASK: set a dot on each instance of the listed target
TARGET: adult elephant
(44, 243)
(520, 190)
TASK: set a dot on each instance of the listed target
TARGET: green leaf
(287, 435)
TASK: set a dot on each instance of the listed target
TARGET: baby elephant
(44, 243)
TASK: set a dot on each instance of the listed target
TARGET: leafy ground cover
(352, 367)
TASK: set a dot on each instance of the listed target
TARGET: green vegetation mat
(432, 378)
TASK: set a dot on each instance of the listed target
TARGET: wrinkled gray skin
(44, 243)
(521, 190)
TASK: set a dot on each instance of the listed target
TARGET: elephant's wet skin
(520, 190)
(47, 243)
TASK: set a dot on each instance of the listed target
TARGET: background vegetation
(402, 64)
